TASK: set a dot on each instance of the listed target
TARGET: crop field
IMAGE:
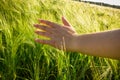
(21, 58)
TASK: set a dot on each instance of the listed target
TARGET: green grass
(23, 59)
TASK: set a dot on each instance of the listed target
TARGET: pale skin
(102, 44)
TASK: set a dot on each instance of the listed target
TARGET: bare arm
(102, 44)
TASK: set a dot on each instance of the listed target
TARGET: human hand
(61, 36)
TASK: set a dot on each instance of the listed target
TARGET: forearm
(103, 44)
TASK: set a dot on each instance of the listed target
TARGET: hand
(61, 36)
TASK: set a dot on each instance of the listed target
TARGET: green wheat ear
(23, 59)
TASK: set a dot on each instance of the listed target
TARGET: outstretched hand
(61, 36)
(102, 44)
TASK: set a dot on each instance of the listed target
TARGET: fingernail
(36, 25)
(36, 31)
(41, 20)
(36, 40)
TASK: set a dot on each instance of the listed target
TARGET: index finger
(48, 23)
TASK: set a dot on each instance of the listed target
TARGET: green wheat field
(23, 59)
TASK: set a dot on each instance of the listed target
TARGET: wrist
(74, 43)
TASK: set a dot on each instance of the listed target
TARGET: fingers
(65, 22)
(42, 27)
(50, 42)
(49, 23)
(68, 25)
(46, 34)
(42, 41)
(69, 29)
(52, 24)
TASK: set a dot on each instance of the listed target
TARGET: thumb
(65, 22)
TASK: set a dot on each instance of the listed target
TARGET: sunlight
(112, 2)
